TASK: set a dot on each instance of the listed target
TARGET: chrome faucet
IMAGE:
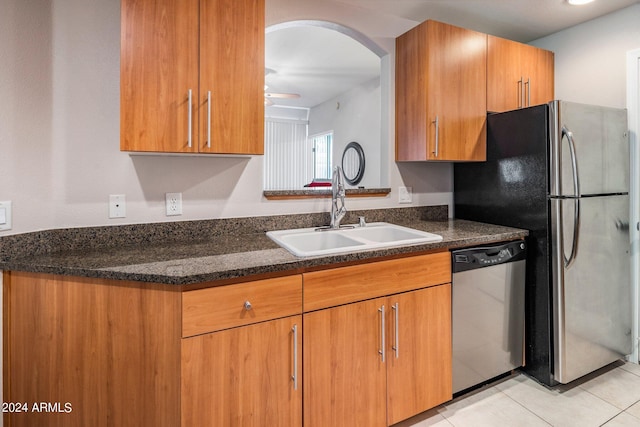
(338, 209)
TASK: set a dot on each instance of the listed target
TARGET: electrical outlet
(405, 195)
(5, 215)
(117, 206)
(173, 203)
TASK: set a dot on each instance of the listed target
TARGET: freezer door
(591, 144)
(592, 291)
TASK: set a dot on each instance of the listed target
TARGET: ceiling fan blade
(281, 95)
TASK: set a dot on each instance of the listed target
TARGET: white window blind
(287, 155)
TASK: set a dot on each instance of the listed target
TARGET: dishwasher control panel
(478, 257)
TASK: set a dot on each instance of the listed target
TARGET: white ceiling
(309, 63)
(317, 63)
(521, 20)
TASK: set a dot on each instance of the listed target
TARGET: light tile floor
(609, 397)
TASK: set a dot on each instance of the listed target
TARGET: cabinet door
(158, 68)
(419, 351)
(457, 93)
(539, 75)
(504, 75)
(244, 376)
(441, 93)
(344, 375)
(518, 75)
(232, 76)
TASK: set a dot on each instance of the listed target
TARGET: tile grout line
(528, 409)
(610, 403)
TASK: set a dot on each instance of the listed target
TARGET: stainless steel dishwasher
(488, 312)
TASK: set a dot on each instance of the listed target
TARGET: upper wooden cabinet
(518, 75)
(192, 76)
(441, 93)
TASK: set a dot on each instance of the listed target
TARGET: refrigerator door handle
(574, 162)
(576, 195)
(568, 261)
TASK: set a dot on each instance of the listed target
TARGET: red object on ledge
(324, 183)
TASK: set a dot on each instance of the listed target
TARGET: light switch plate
(5, 215)
(405, 195)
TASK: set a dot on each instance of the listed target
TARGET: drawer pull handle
(247, 305)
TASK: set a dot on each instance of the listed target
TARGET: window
(322, 155)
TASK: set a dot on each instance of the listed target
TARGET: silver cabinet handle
(190, 127)
(520, 93)
(382, 333)
(294, 377)
(247, 305)
(396, 345)
(437, 123)
(209, 119)
(528, 93)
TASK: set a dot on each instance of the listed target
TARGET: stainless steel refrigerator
(561, 171)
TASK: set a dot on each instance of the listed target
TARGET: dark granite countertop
(235, 253)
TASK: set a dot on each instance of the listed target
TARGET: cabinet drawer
(214, 309)
(343, 285)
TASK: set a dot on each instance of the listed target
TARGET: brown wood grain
(515, 70)
(213, 309)
(344, 376)
(232, 36)
(169, 47)
(158, 66)
(441, 72)
(109, 349)
(343, 285)
(243, 376)
(419, 372)
(504, 75)
(539, 66)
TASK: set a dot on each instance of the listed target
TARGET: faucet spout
(338, 209)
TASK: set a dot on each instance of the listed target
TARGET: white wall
(354, 116)
(590, 59)
(59, 127)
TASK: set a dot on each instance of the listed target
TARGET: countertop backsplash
(92, 238)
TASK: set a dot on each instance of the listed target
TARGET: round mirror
(353, 163)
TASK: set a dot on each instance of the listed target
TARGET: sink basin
(305, 242)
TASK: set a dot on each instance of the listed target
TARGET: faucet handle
(362, 222)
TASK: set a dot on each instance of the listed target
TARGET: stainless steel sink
(305, 242)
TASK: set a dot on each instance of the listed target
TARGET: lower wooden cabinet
(419, 363)
(100, 352)
(246, 376)
(378, 362)
(93, 352)
(108, 353)
(344, 375)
